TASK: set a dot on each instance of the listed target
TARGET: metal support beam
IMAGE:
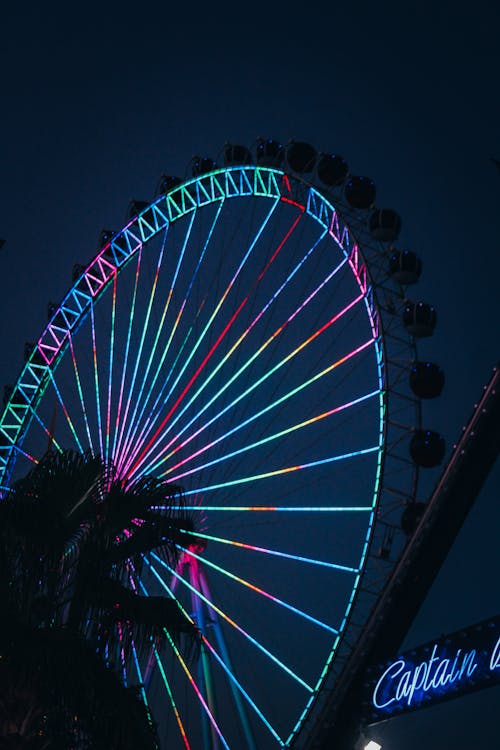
(338, 725)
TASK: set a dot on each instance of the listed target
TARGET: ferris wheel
(248, 337)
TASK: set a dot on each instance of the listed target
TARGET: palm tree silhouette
(72, 537)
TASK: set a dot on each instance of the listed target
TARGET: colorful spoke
(225, 345)
(110, 367)
(114, 451)
(80, 394)
(224, 661)
(138, 353)
(96, 380)
(171, 699)
(66, 413)
(262, 441)
(145, 451)
(252, 547)
(228, 619)
(136, 420)
(247, 391)
(153, 466)
(267, 508)
(285, 470)
(259, 590)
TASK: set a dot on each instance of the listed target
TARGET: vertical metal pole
(210, 739)
(224, 652)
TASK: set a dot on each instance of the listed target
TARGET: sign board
(448, 667)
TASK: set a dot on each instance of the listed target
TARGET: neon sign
(452, 666)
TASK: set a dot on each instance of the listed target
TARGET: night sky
(97, 104)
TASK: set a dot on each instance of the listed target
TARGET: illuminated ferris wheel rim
(211, 188)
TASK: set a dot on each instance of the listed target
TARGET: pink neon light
(286, 181)
(135, 464)
(296, 351)
(281, 245)
(145, 450)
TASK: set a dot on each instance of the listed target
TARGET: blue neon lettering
(380, 683)
(495, 656)
(405, 682)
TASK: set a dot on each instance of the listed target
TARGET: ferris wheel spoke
(133, 577)
(160, 398)
(285, 470)
(136, 418)
(269, 438)
(256, 354)
(258, 590)
(272, 552)
(234, 346)
(225, 663)
(249, 328)
(145, 326)
(226, 617)
(66, 412)
(162, 456)
(269, 508)
(110, 367)
(234, 681)
(140, 680)
(96, 379)
(147, 449)
(49, 431)
(80, 395)
(197, 690)
(138, 354)
(171, 698)
(118, 428)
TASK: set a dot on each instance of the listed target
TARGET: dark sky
(97, 103)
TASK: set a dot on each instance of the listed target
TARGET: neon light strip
(286, 470)
(258, 382)
(258, 590)
(110, 373)
(66, 414)
(242, 338)
(150, 419)
(145, 451)
(295, 558)
(197, 690)
(138, 354)
(204, 667)
(135, 422)
(201, 367)
(80, 393)
(139, 675)
(155, 415)
(280, 246)
(26, 455)
(251, 326)
(217, 657)
(160, 666)
(125, 356)
(268, 508)
(262, 441)
(222, 614)
(242, 690)
(45, 428)
(171, 697)
(228, 667)
(96, 379)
